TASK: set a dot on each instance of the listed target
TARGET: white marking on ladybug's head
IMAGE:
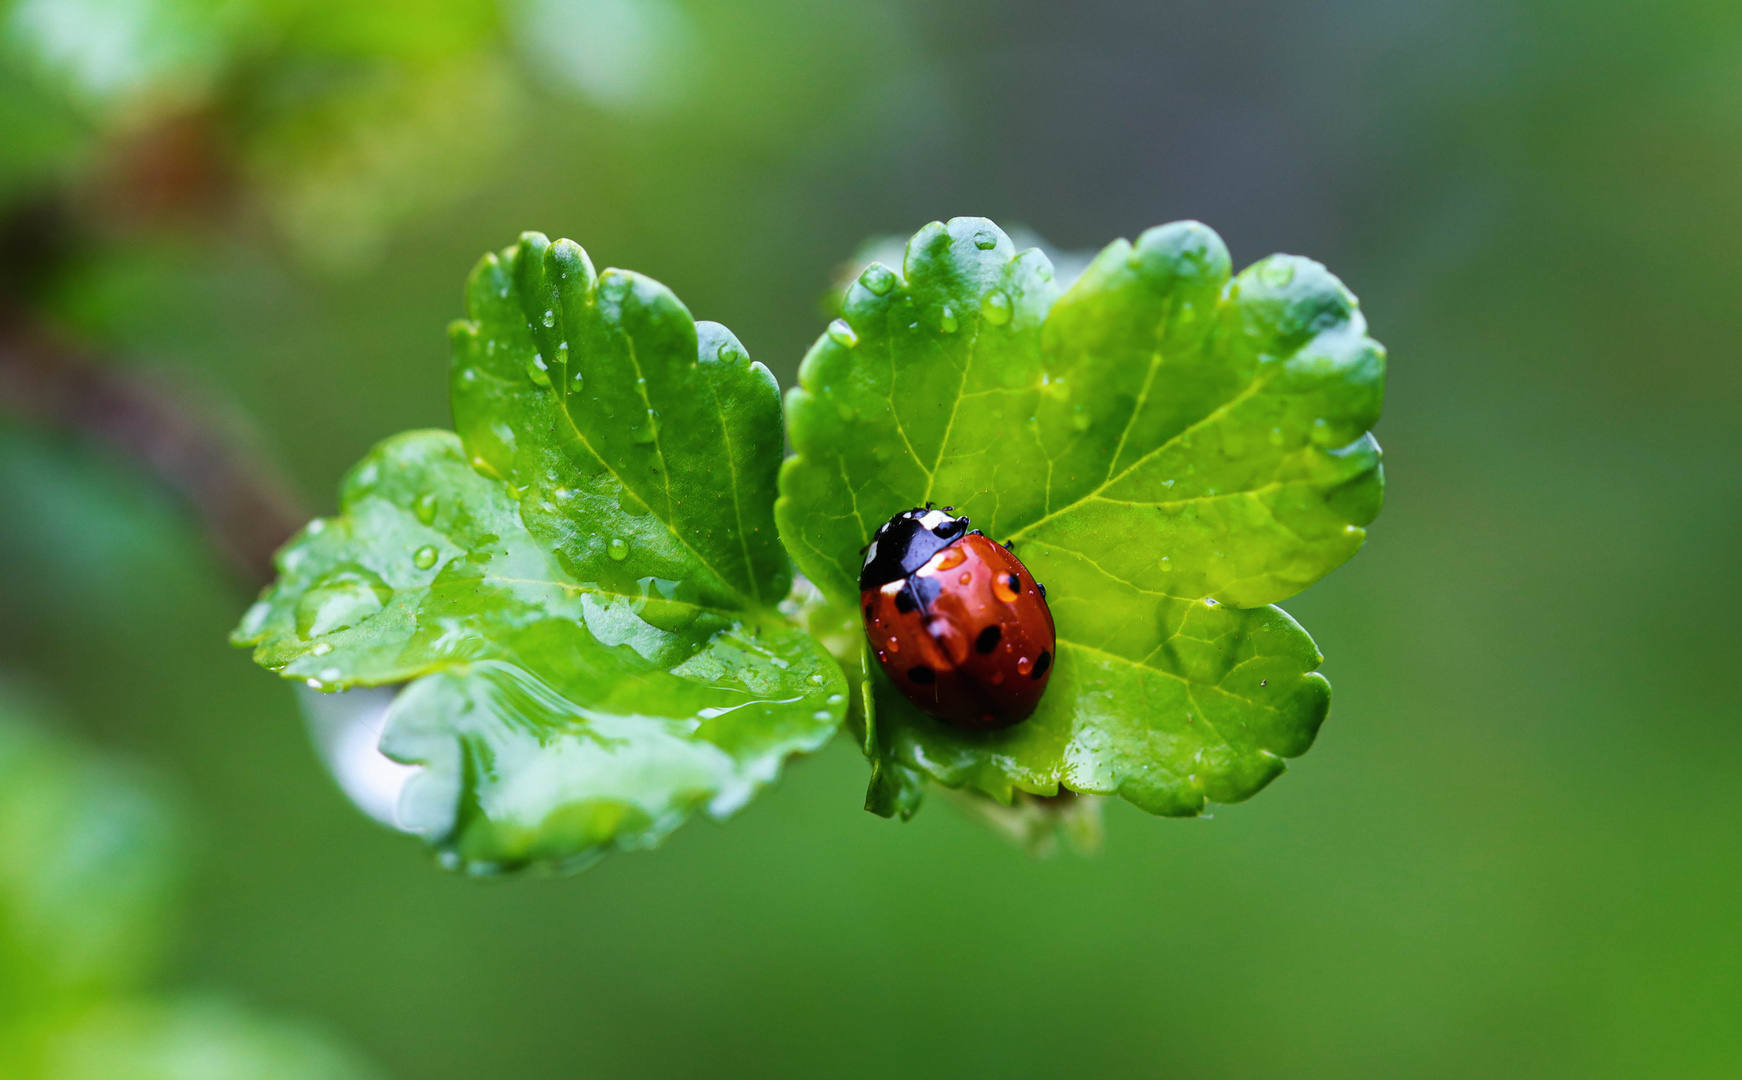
(871, 552)
(931, 519)
(890, 588)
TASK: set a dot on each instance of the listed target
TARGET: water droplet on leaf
(549, 319)
(995, 306)
(425, 557)
(340, 603)
(842, 334)
(619, 549)
(1276, 273)
(878, 278)
(947, 319)
(535, 368)
(425, 507)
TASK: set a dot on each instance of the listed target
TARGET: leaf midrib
(1246, 393)
(563, 408)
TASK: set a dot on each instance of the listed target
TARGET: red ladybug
(958, 623)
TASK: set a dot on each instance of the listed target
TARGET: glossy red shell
(976, 650)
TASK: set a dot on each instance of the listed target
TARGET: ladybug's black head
(906, 542)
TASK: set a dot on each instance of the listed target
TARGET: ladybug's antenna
(928, 506)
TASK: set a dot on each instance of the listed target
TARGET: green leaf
(1171, 451)
(581, 587)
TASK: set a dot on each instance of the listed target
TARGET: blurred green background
(1514, 850)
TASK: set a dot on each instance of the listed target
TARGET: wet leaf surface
(580, 587)
(1171, 449)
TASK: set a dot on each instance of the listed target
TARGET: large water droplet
(536, 368)
(618, 549)
(842, 334)
(425, 507)
(947, 319)
(878, 278)
(995, 307)
(340, 603)
(549, 319)
(425, 557)
(985, 241)
(1276, 273)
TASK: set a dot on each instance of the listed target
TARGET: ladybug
(958, 623)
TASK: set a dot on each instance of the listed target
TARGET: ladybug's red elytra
(958, 623)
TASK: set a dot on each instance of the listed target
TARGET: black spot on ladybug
(988, 639)
(921, 674)
(1015, 583)
(904, 601)
(1041, 663)
(867, 611)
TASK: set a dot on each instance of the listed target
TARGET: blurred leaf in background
(90, 857)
